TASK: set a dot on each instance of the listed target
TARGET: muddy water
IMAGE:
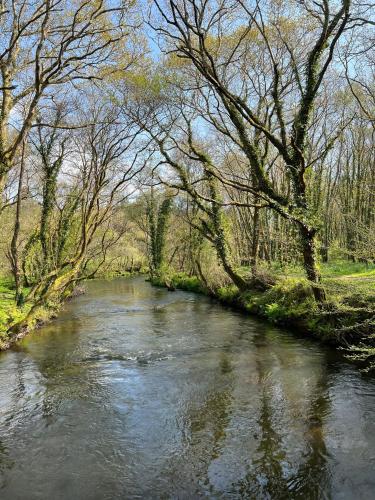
(136, 392)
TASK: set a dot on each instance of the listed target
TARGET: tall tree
(47, 44)
(226, 42)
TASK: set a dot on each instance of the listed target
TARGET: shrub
(290, 298)
(186, 282)
(228, 294)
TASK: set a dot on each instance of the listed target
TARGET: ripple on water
(134, 392)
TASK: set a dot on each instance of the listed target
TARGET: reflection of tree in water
(58, 358)
(204, 430)
(17, 395)
(312, 479)
(272, 475)
(267, 478)
(5, 463)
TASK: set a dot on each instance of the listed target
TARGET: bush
(228, 294)
(186, 282)
(290, 298)
(178, 280)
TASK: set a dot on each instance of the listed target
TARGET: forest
(224, 147)
(187, 249)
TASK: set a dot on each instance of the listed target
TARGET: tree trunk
(223, 252)
(236, 278)
(3, 178)
(16, 270)
(309, 262)
(255, 241)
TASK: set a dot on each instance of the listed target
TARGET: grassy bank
(10, 314)
(16, 322)
(346, 320)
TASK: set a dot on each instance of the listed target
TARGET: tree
(99, 180)
(158, 225)
(45, 45)
(13, 254)
(229, 45)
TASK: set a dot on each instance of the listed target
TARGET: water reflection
(313, 475)
(273, 473)
(135, 392)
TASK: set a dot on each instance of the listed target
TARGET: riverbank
(346, 320)
(16, 322)
(10, 314)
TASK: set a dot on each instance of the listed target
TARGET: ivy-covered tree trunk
(2, 185)
(64, 225)
(255, 240)
(158, 230)
(308, 244)
(49, 293)
(219, 233)
(161, 231)
(49, 194)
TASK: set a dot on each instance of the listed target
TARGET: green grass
(338, 268)
(346, 269)
(350, 283)
(9, 312)
(341, 279)
(179, 280)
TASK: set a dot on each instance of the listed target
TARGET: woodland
(225, 147)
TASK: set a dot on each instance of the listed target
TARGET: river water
(137, 392)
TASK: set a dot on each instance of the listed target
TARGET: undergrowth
(9, 312)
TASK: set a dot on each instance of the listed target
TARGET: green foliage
(188, 283)
(180, 280)
(290, 298)
(364, 353)
(228, 294)
(9, 312)
(147, 85)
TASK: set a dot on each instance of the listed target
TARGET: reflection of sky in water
(138, 392)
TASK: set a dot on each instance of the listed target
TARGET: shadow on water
(272, 474)
(138, 393)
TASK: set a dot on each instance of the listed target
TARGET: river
(137, 392)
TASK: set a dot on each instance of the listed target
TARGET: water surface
(136, 392)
